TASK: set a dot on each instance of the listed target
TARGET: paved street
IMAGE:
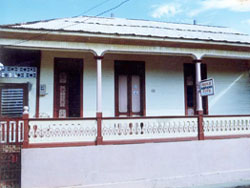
(241, 184)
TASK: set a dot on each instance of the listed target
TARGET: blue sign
(207, 87)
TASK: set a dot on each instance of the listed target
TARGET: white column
(99, 85)
(199, 107)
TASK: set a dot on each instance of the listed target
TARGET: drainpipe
(99, 138)
(199, 108)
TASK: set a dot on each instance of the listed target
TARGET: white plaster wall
(47, 78)
(232, 87)
(108, 87)
(89, 81)
(165, 86)
(158, 165)
(31, 91)
(164, 80)
(164, 83)
(89, 87)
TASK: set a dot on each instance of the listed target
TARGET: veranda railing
(51, 132)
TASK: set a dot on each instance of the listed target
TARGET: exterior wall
(232, 87)
(47, 78)
(31, 91)
(108, 87)
(164, 79)
(89, 86)
(164, 83)
(89, 82)
(165, 86)
(179, 164)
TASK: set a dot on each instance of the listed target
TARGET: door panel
(62, 104)
(136, 94)
(74, 94)
(63, 95)
(123, 94)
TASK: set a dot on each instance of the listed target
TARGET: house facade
(94, 89)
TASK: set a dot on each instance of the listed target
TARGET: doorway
(129, 88)
(68, 87)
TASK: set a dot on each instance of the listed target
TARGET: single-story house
(102, 102)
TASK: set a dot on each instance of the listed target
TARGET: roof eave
(6, 28)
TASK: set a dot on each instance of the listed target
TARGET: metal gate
(11, 138)
(10, 166)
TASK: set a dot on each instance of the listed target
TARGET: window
(13, 97)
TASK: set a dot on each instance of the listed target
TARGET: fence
(104, 130)
(11, 131)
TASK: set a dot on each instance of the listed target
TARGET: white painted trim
(198, 80)
(101, 49)
(131, 37)
(99, 86)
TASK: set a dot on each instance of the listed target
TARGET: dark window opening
(13, 98)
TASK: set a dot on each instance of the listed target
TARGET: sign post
(207, 87)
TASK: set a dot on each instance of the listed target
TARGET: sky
(227, 13)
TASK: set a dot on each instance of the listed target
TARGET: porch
(139, 97)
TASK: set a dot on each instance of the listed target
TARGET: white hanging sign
(207, 87)
(18, 72)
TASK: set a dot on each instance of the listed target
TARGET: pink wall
(173, 164)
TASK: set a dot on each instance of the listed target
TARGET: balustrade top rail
(149, 117)
(107, 118)
(135, 117)
(226, 116)
(61, 119)
(10, 119)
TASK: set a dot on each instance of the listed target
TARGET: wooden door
(68, 88)
(130, 88)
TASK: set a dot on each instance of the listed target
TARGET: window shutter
(12, 102)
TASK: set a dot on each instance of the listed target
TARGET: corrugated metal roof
(141, 28)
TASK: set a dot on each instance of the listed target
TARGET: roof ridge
(33, 22)
(102, 17)
(159, 27)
